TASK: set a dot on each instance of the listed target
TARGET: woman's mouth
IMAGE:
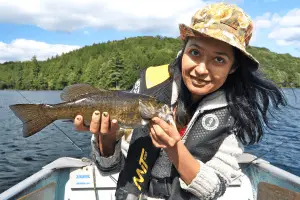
(198, 82)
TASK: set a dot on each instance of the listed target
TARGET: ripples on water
(283, 143)
(21, 157)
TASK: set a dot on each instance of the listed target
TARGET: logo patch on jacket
(210, 122)
(143, 170)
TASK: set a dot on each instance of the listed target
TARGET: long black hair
(249, 94)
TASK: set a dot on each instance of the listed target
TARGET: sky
(46, 28)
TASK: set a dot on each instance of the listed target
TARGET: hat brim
(222, 35)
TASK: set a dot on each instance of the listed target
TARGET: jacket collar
(213, 101)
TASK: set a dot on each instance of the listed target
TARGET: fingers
(167, 128)
(114, 126)
(78, 123)
(155, 140)
(164, 133)
(99, 124)
(95, 122)
(105, 123)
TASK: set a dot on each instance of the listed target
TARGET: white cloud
(69, 15)
(292, 18)
(288, 34)
(285, 30)
(160, 16)
(22, 49)
(263, 21)
(260, 22)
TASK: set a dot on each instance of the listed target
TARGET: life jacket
(147, 169)
(142, 154)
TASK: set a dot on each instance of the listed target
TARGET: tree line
(117, 64)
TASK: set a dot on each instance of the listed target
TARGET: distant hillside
(116, 64)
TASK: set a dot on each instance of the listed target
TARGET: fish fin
(78, 91)
(33, 117)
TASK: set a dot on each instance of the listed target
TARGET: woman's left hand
(163, 135)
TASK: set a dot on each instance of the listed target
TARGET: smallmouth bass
(130, 109)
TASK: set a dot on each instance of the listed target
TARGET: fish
(132, 110)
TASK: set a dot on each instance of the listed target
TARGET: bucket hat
(224, 22)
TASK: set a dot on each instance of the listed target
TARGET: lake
(21, 157)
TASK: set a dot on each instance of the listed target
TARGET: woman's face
(206, 63)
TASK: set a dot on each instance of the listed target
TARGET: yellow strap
(156, 75)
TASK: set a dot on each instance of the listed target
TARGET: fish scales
(130, 109)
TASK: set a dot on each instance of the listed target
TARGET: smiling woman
(220, 103)
(206, 63)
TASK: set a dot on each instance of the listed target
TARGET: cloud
(292, 18)
(22, 49)
(260, 23)
(161, 17)
(263, 21)
(70, 15)
(129, 15)
(285, 30)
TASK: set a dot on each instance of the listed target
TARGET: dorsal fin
(77, 91)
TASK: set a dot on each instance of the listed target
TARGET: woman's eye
(219, 60)
(195, 52)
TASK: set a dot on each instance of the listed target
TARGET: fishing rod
(58, 129)
(241, 168)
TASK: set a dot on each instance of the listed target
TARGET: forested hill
(116, 64)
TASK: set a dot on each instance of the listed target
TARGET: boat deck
(74, 179)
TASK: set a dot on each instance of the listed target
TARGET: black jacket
(148, 169)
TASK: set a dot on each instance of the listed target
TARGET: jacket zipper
(191, 123)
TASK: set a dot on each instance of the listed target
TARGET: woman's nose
(201, 69)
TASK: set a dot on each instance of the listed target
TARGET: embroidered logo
(210, 122)
(142, 171)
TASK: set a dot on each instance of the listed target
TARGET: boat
(75, 179)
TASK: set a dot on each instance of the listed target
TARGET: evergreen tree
(117, 65)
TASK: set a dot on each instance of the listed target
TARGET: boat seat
(267, 191)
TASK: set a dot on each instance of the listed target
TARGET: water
(21, 157)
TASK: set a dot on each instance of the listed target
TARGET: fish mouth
(148, 111)
(168, 117)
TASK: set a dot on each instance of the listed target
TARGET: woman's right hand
(104, 128)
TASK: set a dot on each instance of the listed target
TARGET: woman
(220, 103)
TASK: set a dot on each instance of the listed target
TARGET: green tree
(117, 64)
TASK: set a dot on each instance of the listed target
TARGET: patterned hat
(224, 22)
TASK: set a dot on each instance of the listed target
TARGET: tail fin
(33, 117)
